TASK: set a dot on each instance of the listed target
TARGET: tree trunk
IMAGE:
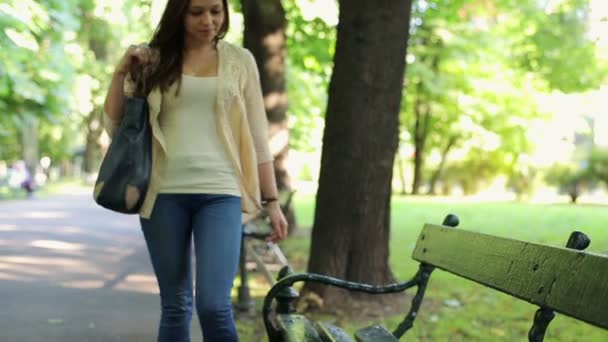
(574, 192)
(422, 125)
(350, 234)
(444, 156)
(264, 36)
(29, 142)
(93, 151)
(401, 174)
(423, 117)
(93, 148)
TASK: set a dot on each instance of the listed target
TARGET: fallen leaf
(55, 321)
(452, 303)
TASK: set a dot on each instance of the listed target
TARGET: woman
(211, 161)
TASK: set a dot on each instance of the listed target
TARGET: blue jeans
(215, 223)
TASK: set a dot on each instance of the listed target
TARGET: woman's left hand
(277, 221)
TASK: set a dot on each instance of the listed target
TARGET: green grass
(49, 189)
(482, 314)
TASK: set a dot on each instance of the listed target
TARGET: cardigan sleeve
(256, 113)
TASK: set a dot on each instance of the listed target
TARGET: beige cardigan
(241, 122)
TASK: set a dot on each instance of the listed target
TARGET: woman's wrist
(270, 199)
(267, 201)
(272, 206)
(120, 73)
(122, 69)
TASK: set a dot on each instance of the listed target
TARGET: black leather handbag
(125, 171)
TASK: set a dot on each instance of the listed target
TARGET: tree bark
(264, 36)
(422, 127)
(29, 126)
(422, 113)
(351, 228)
(93, 148)
(401, 174)
(444, 156)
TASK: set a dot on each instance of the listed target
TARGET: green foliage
(524, 178)
(56, 60)
(477, 70)
(471, 174)
(34, 71)
(598, 165)
(305, 173)
(570, 179)
(543, 35)
(310, 46)
(8, 134)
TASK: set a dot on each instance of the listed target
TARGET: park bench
(261, 253)
(565, 280)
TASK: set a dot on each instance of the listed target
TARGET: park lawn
(62, 186)
(457, 309)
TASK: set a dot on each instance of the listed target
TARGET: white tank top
(197, 161)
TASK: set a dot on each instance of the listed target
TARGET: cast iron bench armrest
(420, 280)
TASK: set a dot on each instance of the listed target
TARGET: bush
(598, 165)
(570, 179)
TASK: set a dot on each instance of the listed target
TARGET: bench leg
(422, 280)
(244, 301)
(544, 316)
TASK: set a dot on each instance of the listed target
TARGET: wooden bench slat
(375, 333)
(331, 333)
(572, 282)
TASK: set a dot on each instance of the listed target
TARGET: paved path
(72, 271)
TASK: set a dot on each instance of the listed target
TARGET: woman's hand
(135, 55)
(277, 221)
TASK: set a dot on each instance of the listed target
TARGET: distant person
(211, 161)
(20, 178)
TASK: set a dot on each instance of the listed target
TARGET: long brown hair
(168, 40)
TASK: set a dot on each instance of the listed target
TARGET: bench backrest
(568, 281)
